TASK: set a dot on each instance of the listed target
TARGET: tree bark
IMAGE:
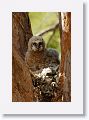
(65, 67)
(21, 79)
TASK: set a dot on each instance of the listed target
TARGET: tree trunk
(21, 79)
(65, 67)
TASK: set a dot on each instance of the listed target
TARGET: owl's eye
(34, 44)
(40, 43)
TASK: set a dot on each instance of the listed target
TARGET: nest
(46, 84)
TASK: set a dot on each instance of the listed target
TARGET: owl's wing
(53, 56)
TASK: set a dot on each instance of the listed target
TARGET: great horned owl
(38, 57)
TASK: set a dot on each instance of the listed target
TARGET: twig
(48, 30)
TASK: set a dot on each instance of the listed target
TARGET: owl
(38, 56)
(40, 59)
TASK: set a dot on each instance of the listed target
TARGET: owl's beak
(37, 47)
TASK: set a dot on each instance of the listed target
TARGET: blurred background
(47, 25)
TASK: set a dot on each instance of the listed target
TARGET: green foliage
(41, 21)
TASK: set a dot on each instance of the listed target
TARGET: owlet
(39, 57)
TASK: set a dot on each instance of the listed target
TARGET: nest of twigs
(47, 85)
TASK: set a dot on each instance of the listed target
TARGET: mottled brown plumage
(38, 57)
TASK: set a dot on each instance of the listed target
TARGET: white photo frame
(76, 104)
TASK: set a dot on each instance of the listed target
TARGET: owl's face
(36, 43)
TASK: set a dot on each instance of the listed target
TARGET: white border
(76, 9)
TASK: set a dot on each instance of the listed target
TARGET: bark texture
(21, 79)
(65, 67)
